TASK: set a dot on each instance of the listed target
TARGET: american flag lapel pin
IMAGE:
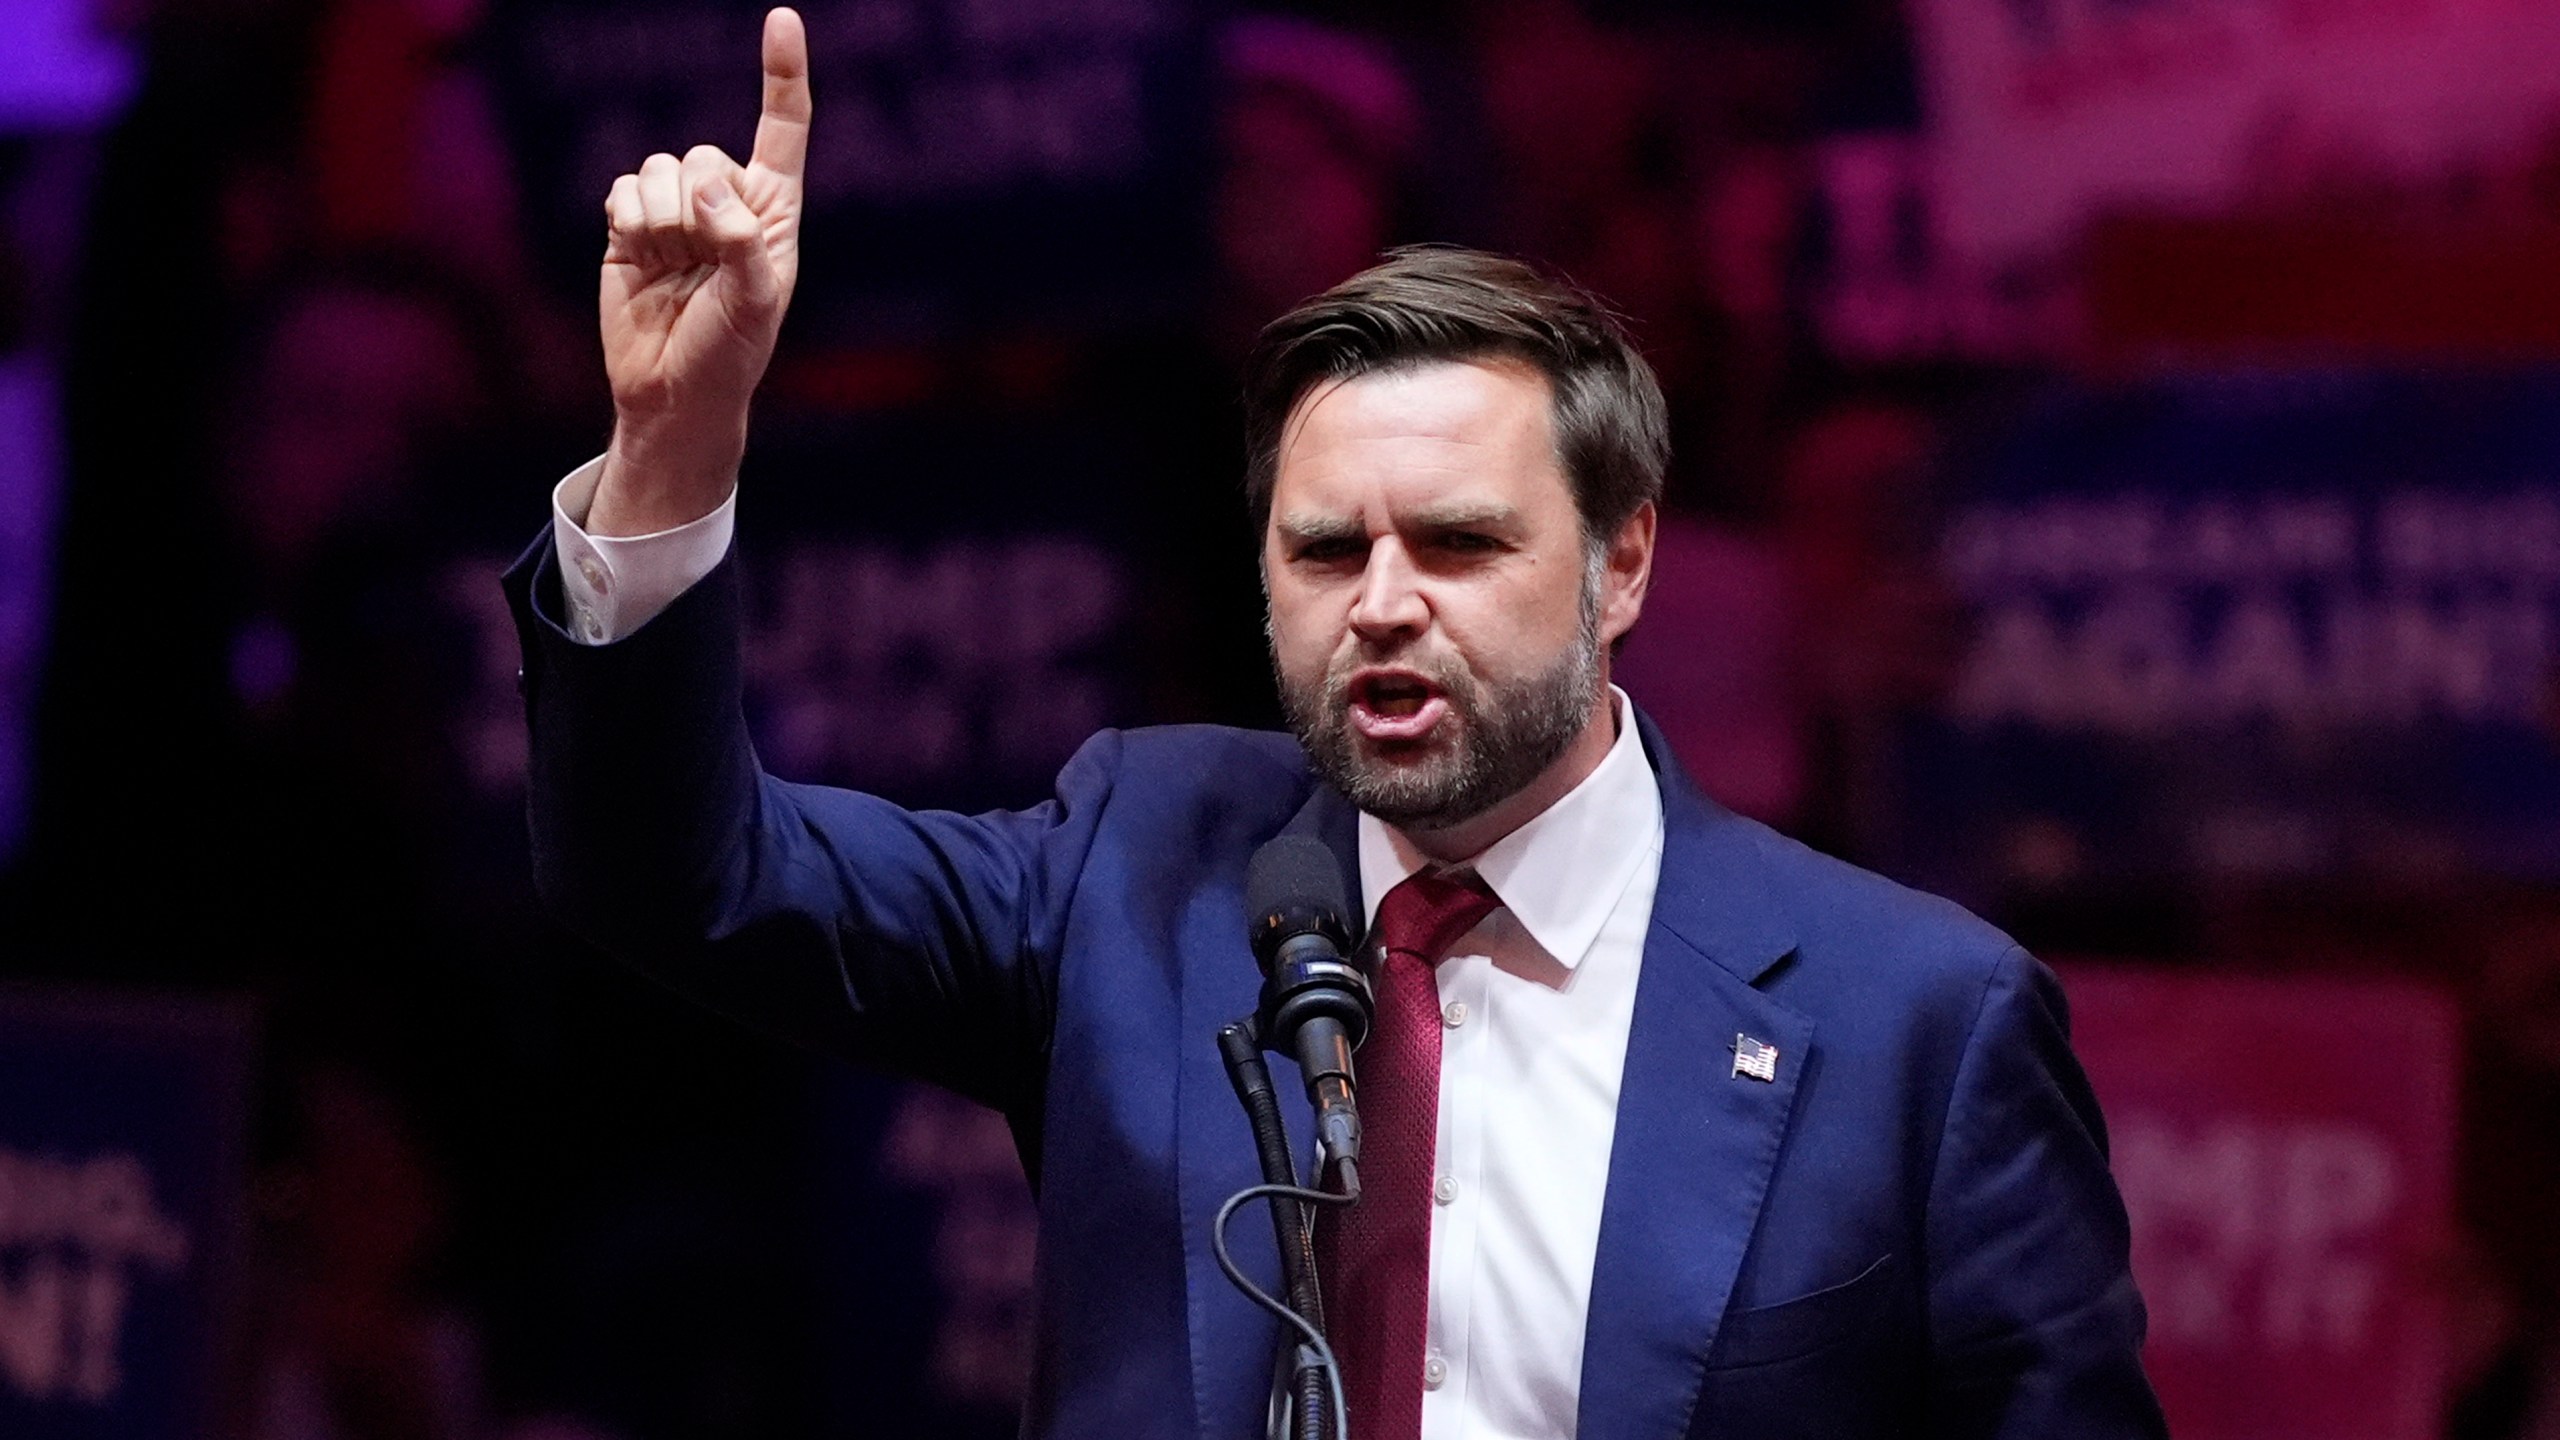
(1754, 1058)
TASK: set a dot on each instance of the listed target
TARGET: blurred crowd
(313, 387)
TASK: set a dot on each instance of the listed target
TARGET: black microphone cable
(1308, 1334)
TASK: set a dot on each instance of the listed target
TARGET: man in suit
(1675, 1127)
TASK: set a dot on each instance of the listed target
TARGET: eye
(1467, 542)
(1330, 551)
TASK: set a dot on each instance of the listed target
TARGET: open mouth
(1395, 705)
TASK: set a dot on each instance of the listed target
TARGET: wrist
(656, 480)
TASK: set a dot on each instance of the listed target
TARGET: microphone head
(1294, 887)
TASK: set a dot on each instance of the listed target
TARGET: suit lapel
(1696, 1144)
(1231, 1342)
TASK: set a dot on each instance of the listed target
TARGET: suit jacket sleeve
(2036, 1327)
(923, 941)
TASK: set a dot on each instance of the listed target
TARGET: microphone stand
(1292, 1224)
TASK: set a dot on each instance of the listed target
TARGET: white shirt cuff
(612, 584)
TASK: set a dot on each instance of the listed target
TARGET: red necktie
(1374, 1259)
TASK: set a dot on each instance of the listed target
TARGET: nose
(1390, 602)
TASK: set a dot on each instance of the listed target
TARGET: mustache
(1445, 671)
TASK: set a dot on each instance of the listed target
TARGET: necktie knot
(1429, 912)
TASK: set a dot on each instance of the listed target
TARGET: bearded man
(1709, 1135)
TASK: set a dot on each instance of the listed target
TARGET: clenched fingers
(623, 224)
(704, 164)
(655, 217)
(662, 208)
(726, 229)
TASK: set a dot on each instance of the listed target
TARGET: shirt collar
(1561, 873)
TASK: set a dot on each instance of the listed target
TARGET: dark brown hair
(1438, 302)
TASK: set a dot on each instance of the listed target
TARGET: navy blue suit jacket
(1912, 1232)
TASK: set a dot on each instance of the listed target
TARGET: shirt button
(595, 636)
(1454, 1014)
(594, 574)
(1445, 1189)
(1435, 1372)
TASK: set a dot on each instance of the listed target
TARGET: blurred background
(2117, 484)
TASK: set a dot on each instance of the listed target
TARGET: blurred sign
(122, 1139)
(2049, 111)
(973, 164)
(2285, 1150)
(945, 602)
(1886, 287)
(947, 1227)
(2252, 627)
(969, 666)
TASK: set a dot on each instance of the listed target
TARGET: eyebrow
(1318, 529)
(1461, 515)
(1458, 515)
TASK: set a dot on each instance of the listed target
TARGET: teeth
(1394, 697)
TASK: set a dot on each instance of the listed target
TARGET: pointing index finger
(782, 133)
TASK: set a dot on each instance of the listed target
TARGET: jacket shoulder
(1158, 771)
(1266, 750)
(1195, 758)
(1848, 919)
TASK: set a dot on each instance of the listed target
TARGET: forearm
(923, 941)
(642, 782)
(657, 837)
(659, 476)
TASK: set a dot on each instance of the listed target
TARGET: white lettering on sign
(881, 667)
(103, 1206)
(2076, 51)
(71, 1235)
(2147, 538)
(2140, 662)
(2266, 1234)
(59, 1328)
(924, 102)
(986, 1235)
(2137, 615)
(1055, 122)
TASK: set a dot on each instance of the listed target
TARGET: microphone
(1315, 1004)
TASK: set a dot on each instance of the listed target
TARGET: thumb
(737, 242)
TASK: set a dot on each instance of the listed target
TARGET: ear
(1626, 573)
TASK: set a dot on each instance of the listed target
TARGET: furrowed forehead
(1444, 445)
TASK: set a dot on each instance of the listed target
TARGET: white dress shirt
(1535, 1003)
(1535, 1006)
(613, 585)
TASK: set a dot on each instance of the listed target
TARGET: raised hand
(699, 263)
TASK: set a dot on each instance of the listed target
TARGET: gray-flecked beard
(1504, 739)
